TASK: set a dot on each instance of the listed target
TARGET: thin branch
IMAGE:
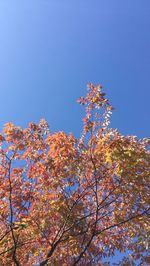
(123, 222)
(11, 217)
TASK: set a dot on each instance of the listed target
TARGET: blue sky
(50, 50)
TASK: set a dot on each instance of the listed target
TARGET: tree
(67, 201)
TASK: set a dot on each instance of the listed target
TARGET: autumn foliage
(67, 201)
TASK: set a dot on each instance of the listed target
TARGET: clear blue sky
(50, 50)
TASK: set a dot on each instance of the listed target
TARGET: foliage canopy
(67, 201)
